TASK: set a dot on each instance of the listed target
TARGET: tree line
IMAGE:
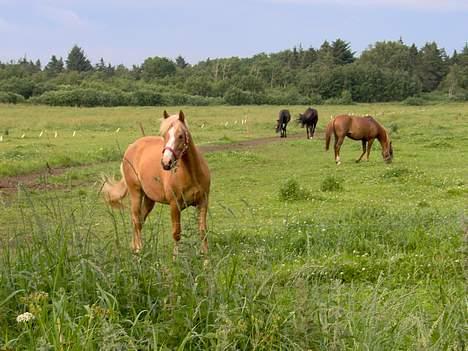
(385, 71)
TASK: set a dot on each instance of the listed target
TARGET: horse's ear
(181, 116)
(165, 114)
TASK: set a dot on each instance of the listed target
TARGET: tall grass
(368, 279)
(378, 265)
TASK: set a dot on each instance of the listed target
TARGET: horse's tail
(114, 191)
(328, 133)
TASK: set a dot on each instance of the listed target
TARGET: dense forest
(385, 71)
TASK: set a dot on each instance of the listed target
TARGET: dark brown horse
(309, 119)
(282, 122)
(366, 129)
(168, 169)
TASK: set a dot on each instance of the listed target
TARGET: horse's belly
(185, 197)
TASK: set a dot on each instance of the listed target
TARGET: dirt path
(34, 180)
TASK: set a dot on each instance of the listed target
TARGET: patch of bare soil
(38, 180)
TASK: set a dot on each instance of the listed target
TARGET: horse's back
(356, 127)
(311, 116)
(144, 147)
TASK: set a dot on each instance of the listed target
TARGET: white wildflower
(25, 317)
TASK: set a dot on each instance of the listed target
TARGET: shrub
(236, 96)
(290, 190)
(345, 99)
(396, 173)
(414, 101)
(331, 183)
(10, 98)
(147, 98)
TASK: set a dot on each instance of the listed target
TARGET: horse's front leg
(369, 145)
(176, 229)
(364, 142)
(202, 212)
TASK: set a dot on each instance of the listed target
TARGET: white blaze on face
(168, 154)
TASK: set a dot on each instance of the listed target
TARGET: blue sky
(128, 31)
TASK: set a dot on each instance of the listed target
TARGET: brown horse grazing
(169, 170)
(366, 129)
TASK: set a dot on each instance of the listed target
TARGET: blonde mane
(166, 123)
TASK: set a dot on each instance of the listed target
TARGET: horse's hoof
(338, 163)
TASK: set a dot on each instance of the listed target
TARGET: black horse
(283, 119)
(309, 119)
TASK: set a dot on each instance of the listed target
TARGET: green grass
(377, 265)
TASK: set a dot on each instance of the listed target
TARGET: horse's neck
(191, 159)
(383, 137)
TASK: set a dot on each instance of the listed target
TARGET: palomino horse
(366, 129)
(282, 122)
(168, 169)
(309, 119)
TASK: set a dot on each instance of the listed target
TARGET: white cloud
(64, 17)
(444, 5)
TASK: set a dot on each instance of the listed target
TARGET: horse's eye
(180, 137)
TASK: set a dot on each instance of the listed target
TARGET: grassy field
(304, 255)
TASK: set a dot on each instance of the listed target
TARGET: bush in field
(236, 96)
(17, 85)
(344, 99)
(287, 97)
(331, 183)
(414, 101)
(291, 190)
(147, 98)
(87, 97)
(10, 98)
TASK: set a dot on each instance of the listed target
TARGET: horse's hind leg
(313, 131)
(364, 142)
(338, 143)
(135, 199)
(147, 207)
(203, 210)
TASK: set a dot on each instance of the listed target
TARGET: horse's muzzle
(168, 166)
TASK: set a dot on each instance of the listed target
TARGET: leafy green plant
(331, 183)
(291, 190)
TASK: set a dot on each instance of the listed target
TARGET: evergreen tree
(412, 58)
(77, 61)
(325, 54)
(341, 52)
(432, 66)
(180, 62)
(55, 66)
